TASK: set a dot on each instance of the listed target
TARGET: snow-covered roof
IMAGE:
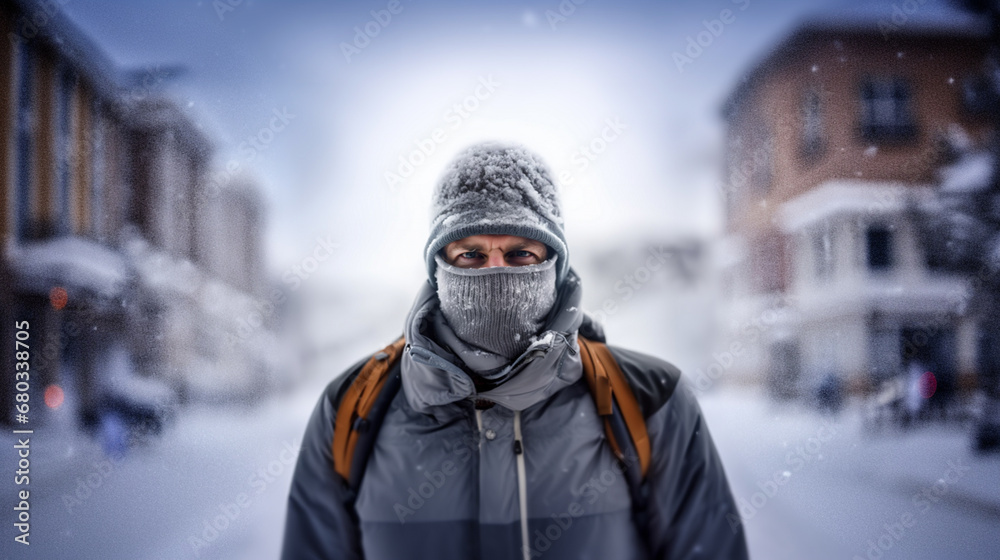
(847, 197)
(70, 262)
(160, 271)
(892, 297)
(161, 113)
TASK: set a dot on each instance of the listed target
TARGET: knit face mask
(499, 308)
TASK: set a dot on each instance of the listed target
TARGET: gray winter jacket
(443, 480)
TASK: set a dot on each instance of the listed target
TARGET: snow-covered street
(813, 487)
(161, 501)
(808, 486)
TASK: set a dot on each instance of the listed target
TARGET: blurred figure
(130, 409)
(830, 394)
(113, 433)
(914, 396)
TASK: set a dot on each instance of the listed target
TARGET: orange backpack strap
(610, 387)
(356, 404)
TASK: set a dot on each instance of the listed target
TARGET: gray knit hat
(497, 189)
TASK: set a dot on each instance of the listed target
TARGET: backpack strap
(616, 403)
(358, 410)
(624, 423)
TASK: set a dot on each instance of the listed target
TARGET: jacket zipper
(479, 424)
(522, 489)
(522, 484)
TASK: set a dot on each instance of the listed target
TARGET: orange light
(58, 297)
(54, 396)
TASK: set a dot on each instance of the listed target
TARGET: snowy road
(808, 488)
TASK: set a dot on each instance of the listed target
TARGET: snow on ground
(155, 502)
(841, 490)
(811, 486)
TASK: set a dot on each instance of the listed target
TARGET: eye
(469, 255)
(521, 257)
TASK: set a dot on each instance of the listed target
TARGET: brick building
(831, 138)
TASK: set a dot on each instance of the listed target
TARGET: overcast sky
(551, 75)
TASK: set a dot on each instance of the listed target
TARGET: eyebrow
(478, 247)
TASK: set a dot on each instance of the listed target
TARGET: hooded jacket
(442, 479)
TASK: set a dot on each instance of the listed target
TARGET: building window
(735, 180)
(97, 170)
(762, 156)
(25, 130)
(879, 239)
(935, 258)
(823, 252)
(887, 111)
(812, 126)
(749, 158)
(767, 264)
(64, 147)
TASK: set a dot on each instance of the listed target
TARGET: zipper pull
(517, 447)
(569, 345)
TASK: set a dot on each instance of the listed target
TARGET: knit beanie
(497, 189)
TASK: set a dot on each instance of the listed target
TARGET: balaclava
(497, 309)
(507, 190)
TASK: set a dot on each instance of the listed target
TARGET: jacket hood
(432, 375)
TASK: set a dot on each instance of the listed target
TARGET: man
(493, 447)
